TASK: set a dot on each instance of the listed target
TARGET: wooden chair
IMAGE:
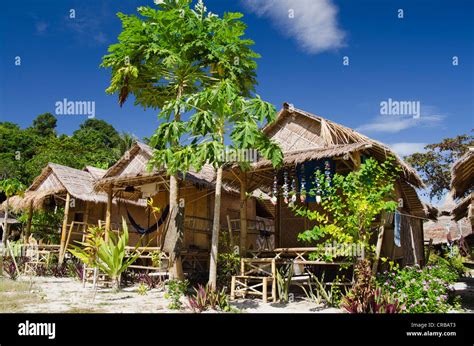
(255, 276)
(37, 258)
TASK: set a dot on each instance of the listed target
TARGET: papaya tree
(227, 105)
(161, 56)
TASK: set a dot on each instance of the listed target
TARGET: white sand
(68, 295)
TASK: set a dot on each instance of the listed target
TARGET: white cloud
(314, 25)
(406, 148)
(394, 124)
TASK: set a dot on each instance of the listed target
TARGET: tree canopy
(434, 165)
(25, 152)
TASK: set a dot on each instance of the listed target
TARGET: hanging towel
(396, 230)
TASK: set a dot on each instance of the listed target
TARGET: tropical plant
(228, 264)
(45, 224)
(205, 298)
(318, 291)
(175, 290)
(421, 290)
(283, 278)
(87, 251)
(350, 206)
(9, 187)
(112, 256)
(365, 297)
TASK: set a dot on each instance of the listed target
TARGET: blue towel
(396, 230)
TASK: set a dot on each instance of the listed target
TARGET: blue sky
(302, 43)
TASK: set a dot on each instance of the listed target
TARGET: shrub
(205, 298)
(142, 289)
(150, 281)
(176, 289)
(228, 264)
(420, 290)
(364, 297)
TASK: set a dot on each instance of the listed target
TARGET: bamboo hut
(73, 189)
(306, 140)
(130, 178)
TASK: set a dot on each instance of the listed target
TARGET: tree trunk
(5, 225)
(215, 231)
(172, 237)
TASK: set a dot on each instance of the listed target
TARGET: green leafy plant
(45, 224)
(142, 289)
(350, 206)
(175, 290)
(112, 258)
(228, 264)
(421, 290)
(365, 297)
(87, 251)
(156, 258)
(205, 298)
(319, 292)
(283, 277)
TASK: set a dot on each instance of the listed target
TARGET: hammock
(152, 228)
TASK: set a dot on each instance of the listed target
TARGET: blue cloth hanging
(396, 230)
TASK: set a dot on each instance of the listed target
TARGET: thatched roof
(431, 212)
(132, 170)
(95, 172)
(10, 220)
(462, 208)
(444, 226)
(331, 138)
(462, 174)
(57, 179)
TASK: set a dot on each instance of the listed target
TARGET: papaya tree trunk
(172, 237)
(215, 231)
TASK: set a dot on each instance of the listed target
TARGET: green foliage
(11, 187)
(205, 298)
(319, 292)
(228, 264)
(421, 289)
(434, 164)
(365, 297)
(283, 278)
(44, 125)
(111, 254)
(88, 250)
(45, 224)
(142, 289)
(25, 152)
(156, 258)
(350, 206)
(176, 290)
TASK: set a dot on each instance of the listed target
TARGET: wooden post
(85, 220)
(231, 234)
(243, 214)
(276, 224)
(108, 213)
(62, 250)
(378, 249)
(28, 223)
(429, 251)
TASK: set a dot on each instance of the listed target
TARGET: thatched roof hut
(132, 170)
(462, 182)
(57, 180)
(444, 228)
(304, 136)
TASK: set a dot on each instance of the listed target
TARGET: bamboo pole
(108, 213)
(85, 220)
(243, 214)
(378, 249)
(28, 223)
(64, 229)
(231, 235)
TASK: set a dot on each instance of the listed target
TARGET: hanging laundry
(396, 229)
